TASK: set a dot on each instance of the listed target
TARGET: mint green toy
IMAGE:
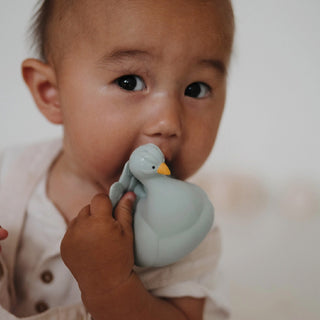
(171, 217)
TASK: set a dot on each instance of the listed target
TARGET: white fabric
(39, 251)
(196, 275)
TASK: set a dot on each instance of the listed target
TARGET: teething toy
(171, 217)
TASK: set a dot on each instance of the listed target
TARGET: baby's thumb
(123, 211)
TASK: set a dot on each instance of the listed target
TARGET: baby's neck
(68, 191)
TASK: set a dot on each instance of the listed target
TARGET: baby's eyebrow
(215, 64)
(120, 55)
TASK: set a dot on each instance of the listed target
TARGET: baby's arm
(98, 249)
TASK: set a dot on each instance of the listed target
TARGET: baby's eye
(197, 90)
(131, 83)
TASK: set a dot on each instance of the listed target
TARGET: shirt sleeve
(7, 158)
(4, 294)
(197, 275)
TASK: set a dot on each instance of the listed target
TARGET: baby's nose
(165, 118)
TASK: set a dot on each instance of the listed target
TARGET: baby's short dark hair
(39, 27)
(49, 10)
(45, 11)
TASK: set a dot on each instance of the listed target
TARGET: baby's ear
(41, 80)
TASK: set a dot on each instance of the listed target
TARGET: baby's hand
(97, 247)
(3, 234)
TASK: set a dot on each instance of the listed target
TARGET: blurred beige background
(264, 173)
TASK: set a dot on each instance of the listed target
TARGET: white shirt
(41, 278)
(42, 281)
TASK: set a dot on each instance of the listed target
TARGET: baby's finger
(84, 212)
(101, 206)
(123, 211)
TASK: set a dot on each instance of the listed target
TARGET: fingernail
(131, 196)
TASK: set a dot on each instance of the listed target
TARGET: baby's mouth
(169, 158)
(168, 155)
(170, 166)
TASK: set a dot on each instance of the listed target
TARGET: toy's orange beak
(163, 169)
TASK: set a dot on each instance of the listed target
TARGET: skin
(165, 46)
(3, 234)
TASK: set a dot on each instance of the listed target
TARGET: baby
(115, 74)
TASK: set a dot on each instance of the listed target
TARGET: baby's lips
(168, 155)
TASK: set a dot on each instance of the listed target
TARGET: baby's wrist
(117, 301)
(100, 284)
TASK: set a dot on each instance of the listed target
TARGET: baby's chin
(183, 170)
(178, 171)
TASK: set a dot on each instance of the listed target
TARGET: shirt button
(46, 276)
(41, 306)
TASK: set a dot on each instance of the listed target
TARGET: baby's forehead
(69, 10)
(75, 19)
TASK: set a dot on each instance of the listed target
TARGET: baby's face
(143, 71)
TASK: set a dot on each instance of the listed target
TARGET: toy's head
(147, 161)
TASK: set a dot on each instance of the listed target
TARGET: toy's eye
(131, 83)
(153, 167)
(197, 90)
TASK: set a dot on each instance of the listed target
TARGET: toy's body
(171, 216)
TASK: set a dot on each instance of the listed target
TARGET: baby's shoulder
(10, 156)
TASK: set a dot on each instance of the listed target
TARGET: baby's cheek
(195, 156)
(106, 164)
(184, 166)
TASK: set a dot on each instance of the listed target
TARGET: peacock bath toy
(171, 217)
